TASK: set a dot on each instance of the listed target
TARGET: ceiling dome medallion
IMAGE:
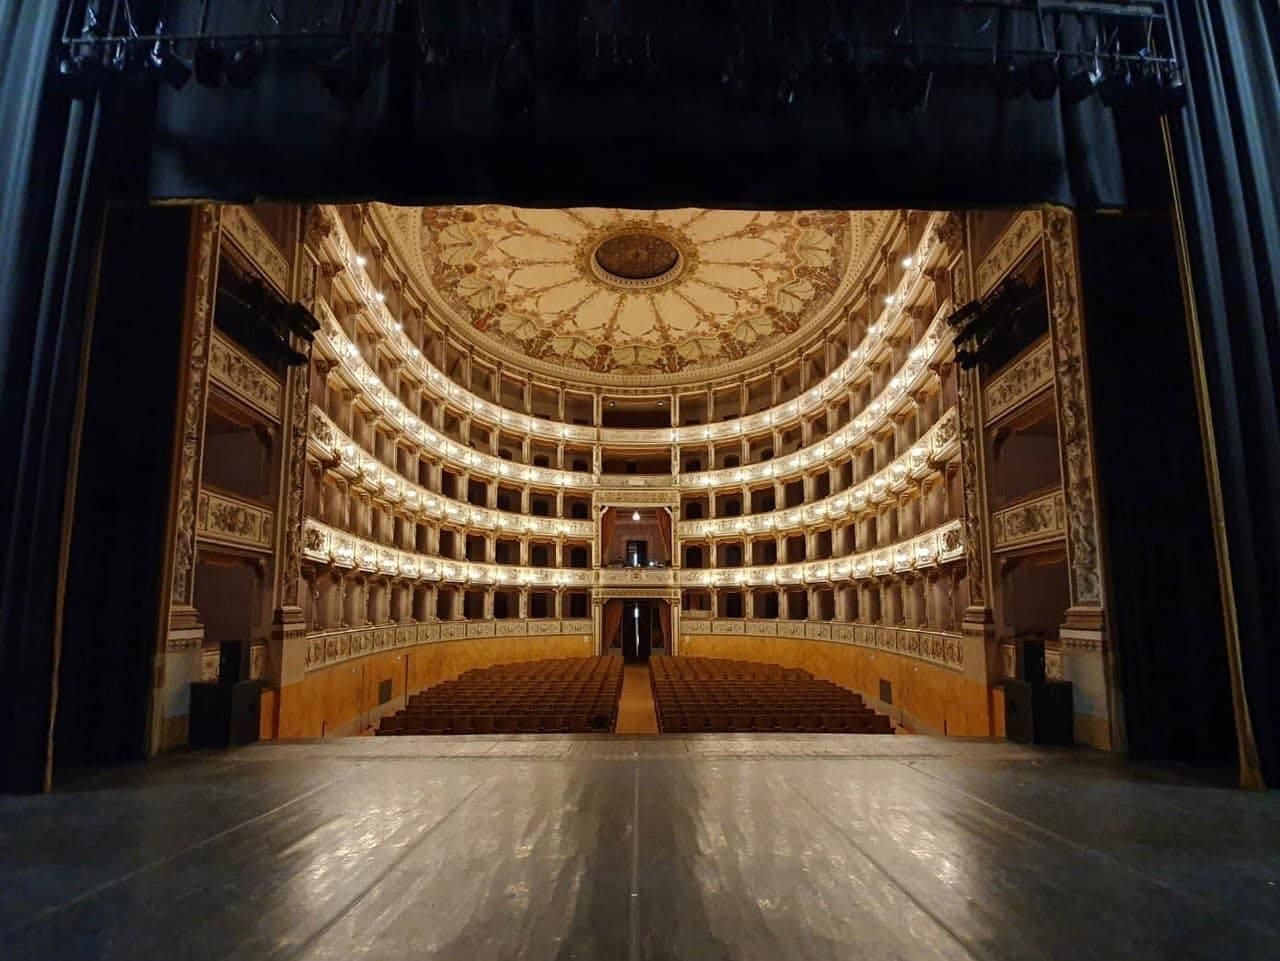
(604, 295)
(636, 257)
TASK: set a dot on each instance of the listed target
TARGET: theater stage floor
(604, 847)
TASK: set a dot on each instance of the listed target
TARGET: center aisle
(636, 712)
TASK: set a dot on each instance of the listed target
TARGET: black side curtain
(52, 204)
(1229, 172)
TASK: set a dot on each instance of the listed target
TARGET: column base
(179, 665)
(1084, 663)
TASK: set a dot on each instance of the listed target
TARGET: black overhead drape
(1229, 174)
(665, 142)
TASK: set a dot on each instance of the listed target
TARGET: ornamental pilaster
(1085, 655)
(184, 630)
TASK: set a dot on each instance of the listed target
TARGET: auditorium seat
(551, 695)
(696, 694)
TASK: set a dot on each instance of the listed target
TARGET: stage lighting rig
(1121, 49)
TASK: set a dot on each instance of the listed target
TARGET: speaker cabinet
(224, 714)
(1038, 713)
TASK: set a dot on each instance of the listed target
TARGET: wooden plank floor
(716, 847)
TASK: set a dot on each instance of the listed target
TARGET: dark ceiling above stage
(658, 104)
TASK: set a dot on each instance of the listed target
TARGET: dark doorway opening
(637, 553)
(637, 631)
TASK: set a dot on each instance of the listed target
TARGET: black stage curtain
(1165, 612)
(52, 202)
(667, 143)
(1229, 175)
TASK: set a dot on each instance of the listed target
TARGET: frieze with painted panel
(1028, 377)
(223, 518)
(244, 377)
(1034, 521)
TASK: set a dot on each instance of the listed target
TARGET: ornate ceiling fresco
(634, 296)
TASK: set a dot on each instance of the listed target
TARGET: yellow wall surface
(938, 701)
(343, 698)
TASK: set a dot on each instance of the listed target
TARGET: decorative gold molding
(191, 438)
(1017, 239)
(295, 472)
(970, 477)
(326, 648)
(1040, 520)
(226, 519)
(252, 239)
(244, 377)
(637, 497)
(1073, 412)
(1028, 377)
(936, 647)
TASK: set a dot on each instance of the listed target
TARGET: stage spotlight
(1007, 78)
(120, 56)
(1080, 84)
(171, 68)
(210, 64)
(1174, 91)
(1042, 78)
(80, 75)
(1117, 86)
(244, 66)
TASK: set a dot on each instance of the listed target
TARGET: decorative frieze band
(326, 648)
(1016, 240)
(253, 240)
(244, 377)
(1035, 521)
(936, 647)
(230, 520)
(605, 497)
(925, 551)
(1028, 377)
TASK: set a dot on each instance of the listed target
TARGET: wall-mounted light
(635, 515)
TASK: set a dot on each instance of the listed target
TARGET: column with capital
(180, 659)
(1086, 658)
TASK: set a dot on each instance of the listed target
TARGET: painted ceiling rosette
(657, 295)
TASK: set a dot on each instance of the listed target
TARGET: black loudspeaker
(1038, 713)
(224, 714)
